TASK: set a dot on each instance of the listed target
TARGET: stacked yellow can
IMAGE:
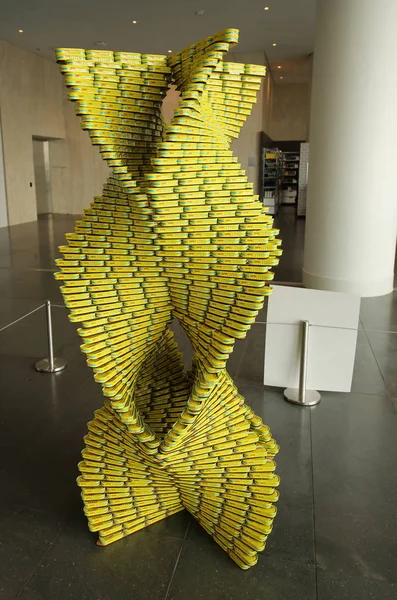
(178, 233)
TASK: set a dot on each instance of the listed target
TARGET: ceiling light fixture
(274, 44)
(281, 77)
(278, 66)
(20, 30)
(266, 8)
(169, 51)
(134, 22)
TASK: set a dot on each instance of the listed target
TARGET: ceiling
(165, 25)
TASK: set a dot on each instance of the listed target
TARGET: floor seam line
(382, 395)
(39, 563)
(377, 363)
(176, 563)
(313, 505)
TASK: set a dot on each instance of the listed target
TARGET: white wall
(350, 236)
(247, 145)
(290, 112)
(33, 103)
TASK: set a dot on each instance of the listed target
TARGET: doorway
(42, 176)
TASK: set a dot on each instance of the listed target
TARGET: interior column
(351, 223)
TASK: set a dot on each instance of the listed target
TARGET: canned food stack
(177, 233)
(119, 96)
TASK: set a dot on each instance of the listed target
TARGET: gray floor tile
(12, 309)
(292, 537)
(345, 587)
(41, 237)
(71, 351)
(367, 378)
(251, 366)
(29, 336)
(43, 421)
(35, 258)
(24, 391)
(176, 526)
(37, 285)
(292, 233)
(394, 401)
(380, 312)
(26, 536)
(139, 566)
(355, 485)
(206, 571)
(384, 347)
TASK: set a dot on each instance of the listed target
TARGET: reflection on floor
(336, 532)
(292, 232)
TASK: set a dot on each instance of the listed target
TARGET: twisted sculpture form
(176, 233)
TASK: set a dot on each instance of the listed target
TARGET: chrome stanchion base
(311, 397)
(43, 365)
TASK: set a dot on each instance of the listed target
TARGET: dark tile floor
(335, 536)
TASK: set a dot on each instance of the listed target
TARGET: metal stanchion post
(50, 364)
(302, 396)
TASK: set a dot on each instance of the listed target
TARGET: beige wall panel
(247, 146)
(33, 103)
(291, 111)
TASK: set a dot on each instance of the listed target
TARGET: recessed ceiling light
(274, 44)
(170, 51)
(134, 22)
(20, 30)
(281, 77)
(266, 8)
(278, 66)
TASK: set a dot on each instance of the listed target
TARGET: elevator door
(41, 163)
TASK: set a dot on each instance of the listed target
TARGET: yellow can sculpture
(177, 233)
